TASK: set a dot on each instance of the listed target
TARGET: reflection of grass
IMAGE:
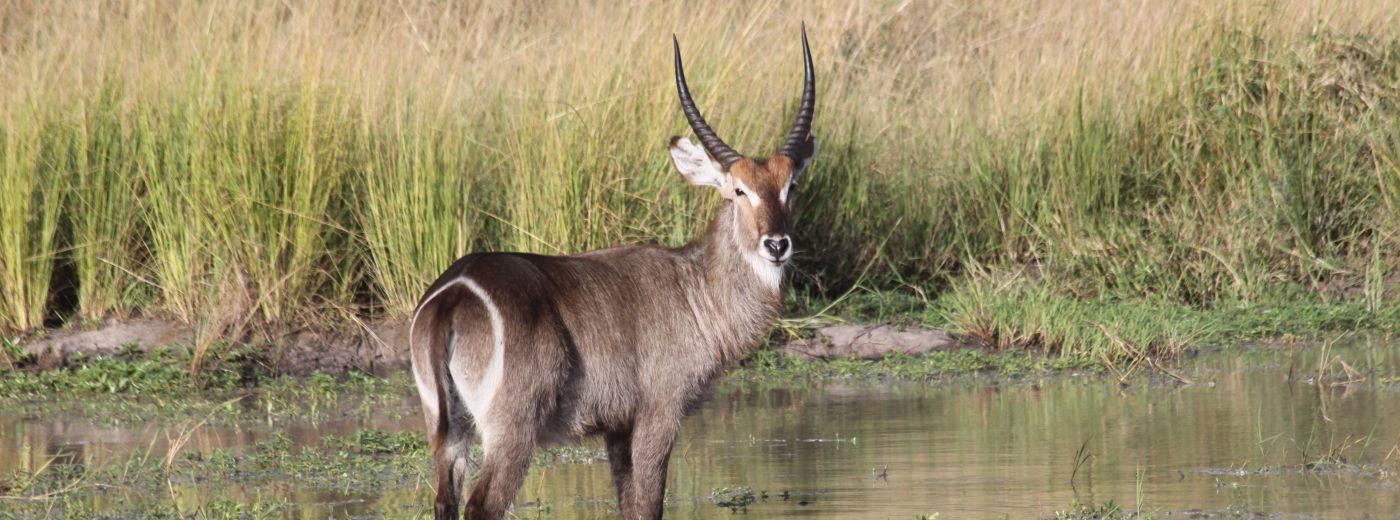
(395, 458)
(1347, 456)
(142, 486)
(367, 461)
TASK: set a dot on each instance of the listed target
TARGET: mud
(377, 347)
(871, 342)
(382, 346)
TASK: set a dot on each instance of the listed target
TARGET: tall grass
(420, 210)
(31, 189)
(104, 210)
(270, 161)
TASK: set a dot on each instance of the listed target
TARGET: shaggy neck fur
(739, 293)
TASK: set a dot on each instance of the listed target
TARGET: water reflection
(1255, 434)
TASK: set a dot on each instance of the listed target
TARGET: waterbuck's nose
(776, 246)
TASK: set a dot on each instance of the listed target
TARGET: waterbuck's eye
(738, 192)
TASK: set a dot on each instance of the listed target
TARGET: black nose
(776, 246)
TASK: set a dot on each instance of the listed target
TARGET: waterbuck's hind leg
(502, 474)
(447, 330)
(535, 346)
(509, 434)
(451, 464)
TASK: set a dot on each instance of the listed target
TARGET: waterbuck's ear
(694, 164)
(804, 156)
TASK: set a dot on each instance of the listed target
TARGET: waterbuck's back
(595, 334)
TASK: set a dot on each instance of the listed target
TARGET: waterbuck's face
(761, 190)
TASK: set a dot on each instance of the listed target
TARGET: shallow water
(1256, 433)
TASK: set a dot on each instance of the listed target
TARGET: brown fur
(767, 179)
(618, 342)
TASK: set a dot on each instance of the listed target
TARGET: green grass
(770, 366)
(1019, 314)
(1232, 162)
(136, 370)
(31, 193)
(1031, 326)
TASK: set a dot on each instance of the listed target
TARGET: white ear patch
(694, 164)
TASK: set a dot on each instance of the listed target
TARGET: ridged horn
(802, 124)
(712, 143)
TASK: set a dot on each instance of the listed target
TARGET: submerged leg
(450, 464)
(502, 473)
(620, 458)
(652, 440)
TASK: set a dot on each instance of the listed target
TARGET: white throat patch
(769, 273)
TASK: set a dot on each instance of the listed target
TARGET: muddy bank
(871, 342)
(382, 346)
(377, 347)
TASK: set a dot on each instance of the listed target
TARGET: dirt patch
(382, 347)
(58, 346)
(870, 342)
(378, 347)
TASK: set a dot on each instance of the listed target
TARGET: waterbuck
(527, 350)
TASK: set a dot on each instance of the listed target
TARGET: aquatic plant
(736, 499)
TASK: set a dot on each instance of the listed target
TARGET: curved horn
(712, 143)
(802, 125)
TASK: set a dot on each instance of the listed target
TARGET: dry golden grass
(295, 157)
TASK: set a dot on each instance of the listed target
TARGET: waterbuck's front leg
(652, 439)
(620, 458)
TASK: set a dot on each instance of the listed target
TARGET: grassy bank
(276, 164)
(1014, 330)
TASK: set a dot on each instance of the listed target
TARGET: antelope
(528, 350)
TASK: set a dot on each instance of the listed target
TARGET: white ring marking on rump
(478, 399)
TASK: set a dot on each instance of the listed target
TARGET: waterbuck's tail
(440, 347)
(431, 337)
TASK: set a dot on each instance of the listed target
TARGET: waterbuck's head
(761, 189)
